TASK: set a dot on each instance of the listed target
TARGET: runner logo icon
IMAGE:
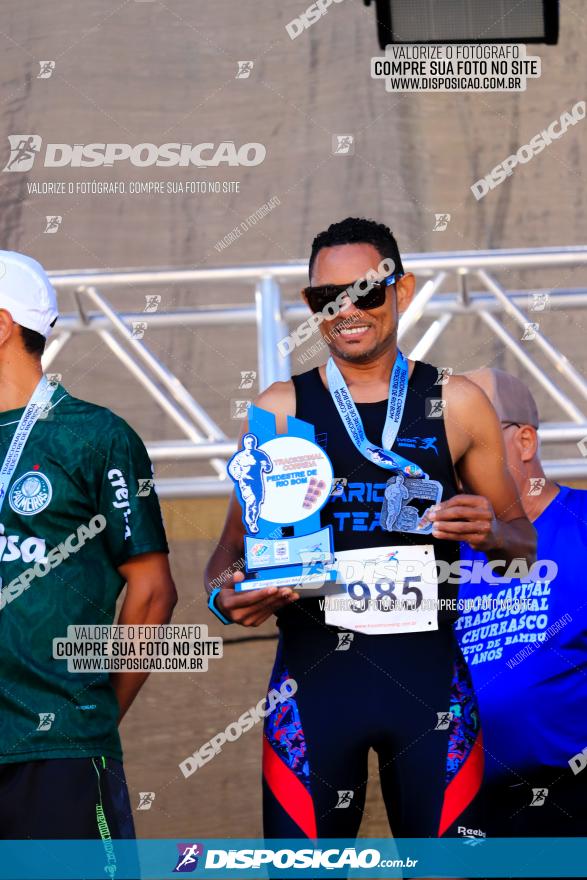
(46, 719)
(188, 856)
(23, 151)
(30, 494)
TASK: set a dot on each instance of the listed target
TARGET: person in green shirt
(74, 529)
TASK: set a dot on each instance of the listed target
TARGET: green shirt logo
(30, 494)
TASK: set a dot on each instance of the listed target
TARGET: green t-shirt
(80, 462)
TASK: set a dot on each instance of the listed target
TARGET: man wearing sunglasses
(525, 642)
(398, 687)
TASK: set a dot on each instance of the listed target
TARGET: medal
(406, 500)
(409, 493)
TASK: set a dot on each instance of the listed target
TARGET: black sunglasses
(366, 294)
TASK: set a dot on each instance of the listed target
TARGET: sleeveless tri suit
(408, 696)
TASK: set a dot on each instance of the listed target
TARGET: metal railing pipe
(557, 395)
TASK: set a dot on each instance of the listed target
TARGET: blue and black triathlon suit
(383, 692)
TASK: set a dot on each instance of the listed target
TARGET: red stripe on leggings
(463, 787)
(289, 791)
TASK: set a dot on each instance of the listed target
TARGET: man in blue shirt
(525, 641)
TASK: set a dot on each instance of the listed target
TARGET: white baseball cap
(27, 293)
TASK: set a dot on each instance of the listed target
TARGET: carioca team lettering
(350, 511)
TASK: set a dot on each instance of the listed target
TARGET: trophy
(282, 481)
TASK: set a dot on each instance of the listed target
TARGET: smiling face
(354, 334)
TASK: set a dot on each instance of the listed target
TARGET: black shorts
(65, 799)
(548, 802)
(409, 697)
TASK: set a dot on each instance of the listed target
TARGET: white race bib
(386, 590)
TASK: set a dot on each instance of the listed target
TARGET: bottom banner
(234, 857)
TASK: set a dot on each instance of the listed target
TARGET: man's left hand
(469, 518)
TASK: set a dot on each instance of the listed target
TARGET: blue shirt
(529, 663)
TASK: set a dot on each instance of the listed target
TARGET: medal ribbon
(34, 408)
(345, 405)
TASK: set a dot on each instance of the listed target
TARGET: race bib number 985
(386, 590)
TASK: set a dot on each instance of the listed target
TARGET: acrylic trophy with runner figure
(282, 481)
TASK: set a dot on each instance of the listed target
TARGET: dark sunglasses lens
(372, 298)
(319, 297)
(369, 298)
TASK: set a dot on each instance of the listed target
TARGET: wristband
(214, 609)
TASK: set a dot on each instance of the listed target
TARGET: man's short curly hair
(33, 342)
(358, 230)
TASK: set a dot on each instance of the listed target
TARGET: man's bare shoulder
(279, 398)
(467, 403)
(462, 392)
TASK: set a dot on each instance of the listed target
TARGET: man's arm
(234, 470)
(490, 519)
(251, 607)
(150, 599)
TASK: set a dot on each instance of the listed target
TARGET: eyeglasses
(505, 425)
(369, 294)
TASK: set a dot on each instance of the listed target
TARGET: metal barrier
(204, 439)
